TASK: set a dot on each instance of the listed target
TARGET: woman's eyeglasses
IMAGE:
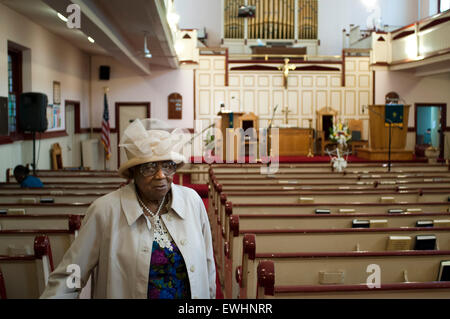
(150, 169)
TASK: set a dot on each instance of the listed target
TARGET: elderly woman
(149, 239)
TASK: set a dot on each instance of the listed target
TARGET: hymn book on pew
(444, 271)
(425, 242)
(47, 200)
(360, 223)
(378, 223)
(3, 211)
(441, 222)
(395, 211)
(323, 211)
(399, 243)
(424, 223)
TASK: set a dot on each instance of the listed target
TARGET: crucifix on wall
(286, 113)
(286, 68)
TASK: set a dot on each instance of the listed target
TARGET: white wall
(52, 59)
(413, 89)
(198, 14)
(125, 85)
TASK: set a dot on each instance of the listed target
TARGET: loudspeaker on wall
(32, 112)
(104, 72)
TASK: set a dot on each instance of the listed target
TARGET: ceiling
(117, 26)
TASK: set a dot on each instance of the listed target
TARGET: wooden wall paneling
(219, 96)
(293, 102)
(350, 81)
(204, 101)
(204, 64)
(204, 80)
(249, 101)
(219, 79)
(263, 102)
(363, 66)
(364, 98)
(293, 122)
(335, 81)
(350, 103)
(321, 81)
(249, 80)
(336, 100)
(321, 99)
(219, 63)
(234, 100)
(307, 102)
(263, 81)
(292, 81)
(234, 80)
(277, 81)
(278, 98)
(307, 81)
(364, 80)
(349, 65)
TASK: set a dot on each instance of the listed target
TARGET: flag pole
(105, 90)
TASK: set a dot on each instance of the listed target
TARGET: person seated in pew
(23, 177)
(148, 239)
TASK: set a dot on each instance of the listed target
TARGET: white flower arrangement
(340, 133)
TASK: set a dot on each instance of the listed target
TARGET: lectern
(379, 135)
(229, 120)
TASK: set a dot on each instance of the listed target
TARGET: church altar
(294, 141)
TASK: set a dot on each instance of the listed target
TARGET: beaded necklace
(160, 235)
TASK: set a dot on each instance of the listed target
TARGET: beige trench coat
(116, 240)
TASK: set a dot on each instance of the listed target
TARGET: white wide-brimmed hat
(151, 140)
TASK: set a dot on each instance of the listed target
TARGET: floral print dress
(168, 278)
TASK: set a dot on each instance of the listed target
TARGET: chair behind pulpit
(246, 121)
(326, 117)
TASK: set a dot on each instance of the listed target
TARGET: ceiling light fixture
(62, 17)
(146, 50)
(91, 40)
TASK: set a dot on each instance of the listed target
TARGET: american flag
(105, 130)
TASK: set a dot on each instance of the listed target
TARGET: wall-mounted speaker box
(33, 112)
(104, 72)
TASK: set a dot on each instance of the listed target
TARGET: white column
(222, 20)
(245, 26)
(296, 21)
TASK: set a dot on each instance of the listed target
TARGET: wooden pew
(250, 242)
(67, 184)
(221, 218)
(61, 190)
(41, 208)
(76, 178)
(327, 167)
(2, 286)
(270, 274)
(12, 241)
(62, 221)
(324, 175)
(338, 196)
(56, 197)
(26, 276)
(276, 179)
(296, 221)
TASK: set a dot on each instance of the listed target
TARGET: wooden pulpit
(379, 136)
(228, 120)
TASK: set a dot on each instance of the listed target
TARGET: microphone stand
(269, 144)
(389, 138)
